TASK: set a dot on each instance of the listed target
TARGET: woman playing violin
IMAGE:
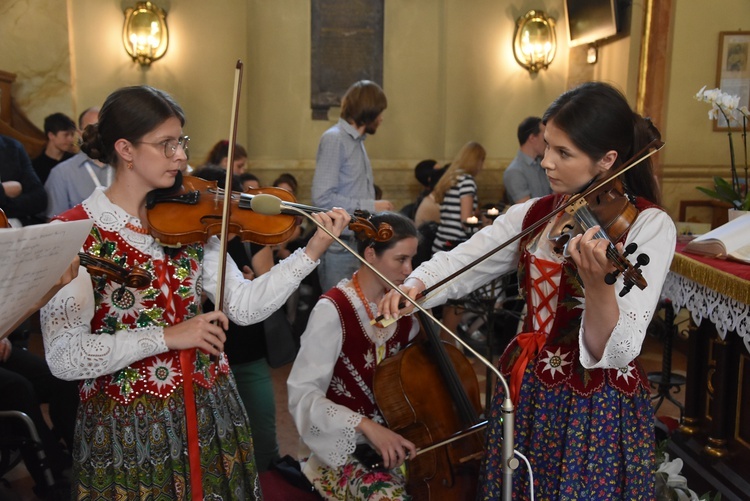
(330, 386)
(160, 416)
(583, 412)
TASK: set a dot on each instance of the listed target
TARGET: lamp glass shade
(145, 34)
(535, 43)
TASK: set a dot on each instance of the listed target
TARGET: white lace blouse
(653, 231)
(327, 428)
(74, 352)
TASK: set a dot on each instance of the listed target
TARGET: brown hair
(128, 113)
(220, 151)
(363, 103)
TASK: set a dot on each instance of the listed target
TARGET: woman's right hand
(392, 447)
(393, 305)
(199, 332)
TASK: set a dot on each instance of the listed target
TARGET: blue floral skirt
(595, 448)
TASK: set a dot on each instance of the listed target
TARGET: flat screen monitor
(590, 20)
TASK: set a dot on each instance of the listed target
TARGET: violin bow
(227, 207)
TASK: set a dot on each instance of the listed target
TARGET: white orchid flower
(672, 470)
(699, 95)
(711, 96)
(728, 101)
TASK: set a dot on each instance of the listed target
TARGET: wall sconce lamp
(144, 34)
(535, 44)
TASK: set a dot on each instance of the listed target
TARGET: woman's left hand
(334, 221)
(590, 256)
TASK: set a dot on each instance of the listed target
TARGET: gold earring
(130, 166)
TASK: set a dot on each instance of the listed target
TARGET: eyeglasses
(170, 145)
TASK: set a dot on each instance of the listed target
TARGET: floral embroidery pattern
(162, 373)
(354, 481)
(555, 362)
(338, 387)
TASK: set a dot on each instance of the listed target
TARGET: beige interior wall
(449, 74)
(41, 62)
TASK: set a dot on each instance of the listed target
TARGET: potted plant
(735, 193)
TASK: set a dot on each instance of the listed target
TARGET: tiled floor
(288, 438)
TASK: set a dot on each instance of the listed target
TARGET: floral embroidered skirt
(355, 482)
(139, 450)
(597, 447)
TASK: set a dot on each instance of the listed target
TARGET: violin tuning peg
(626, 289)
(643, 260)
(631, 248)
(611, 278)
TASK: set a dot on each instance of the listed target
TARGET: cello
(428, 392)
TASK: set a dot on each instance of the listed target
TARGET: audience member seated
(60, 130)
(22, 195)
(217, 157)
(286, 181)
(524, 178)
(25, 383)
(72, 181)
(248, 180)
(424, 172)
(330, 385)
(428, 210)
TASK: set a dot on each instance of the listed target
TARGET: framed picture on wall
(733, 70)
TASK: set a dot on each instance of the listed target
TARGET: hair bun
(92, 144)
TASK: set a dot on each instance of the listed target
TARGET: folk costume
(146, 410)
(330, 390)
(586, 425)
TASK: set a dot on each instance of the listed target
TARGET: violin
(191, 212)
(4, 220)
(614, 213)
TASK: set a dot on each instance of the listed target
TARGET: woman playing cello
(583, 412)
(330, 386)
(160, 416)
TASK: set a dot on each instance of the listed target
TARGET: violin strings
(587, 220)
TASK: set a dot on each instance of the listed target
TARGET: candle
(493, 212)
(472, 220)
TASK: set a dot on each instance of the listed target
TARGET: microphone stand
(510, 462)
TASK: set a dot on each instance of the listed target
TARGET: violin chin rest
(384, 323)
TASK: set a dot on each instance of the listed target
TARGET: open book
(728, 241)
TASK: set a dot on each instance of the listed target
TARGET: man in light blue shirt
(525, 178)
(72, 181)
(343, 174)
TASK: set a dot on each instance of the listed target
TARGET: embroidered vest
(118, 308)
(351, 382)
(558, 360)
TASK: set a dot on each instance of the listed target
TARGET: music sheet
(33, 260)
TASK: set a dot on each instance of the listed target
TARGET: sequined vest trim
(122, 308)
(351, 382)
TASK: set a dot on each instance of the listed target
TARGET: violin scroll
(631, 274)
(97, 266)
(361, 225)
